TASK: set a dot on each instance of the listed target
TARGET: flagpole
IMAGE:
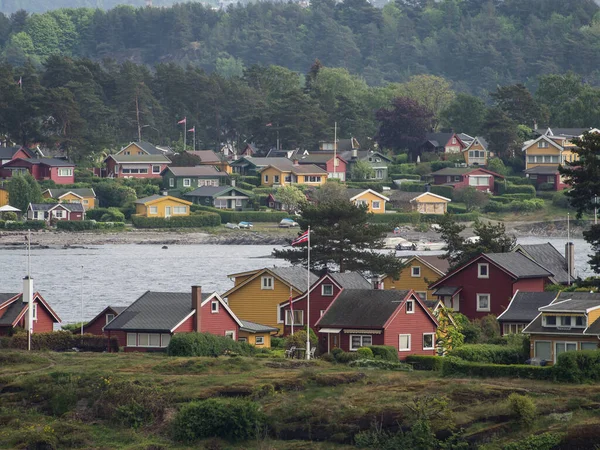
(29, 293)
(184, 134)
(194, 138)
(308, 300)
(292, 309)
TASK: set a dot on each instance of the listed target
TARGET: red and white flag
(269, 124)
(301, 239)
(192, 130)
(184, 120)
(20, 82)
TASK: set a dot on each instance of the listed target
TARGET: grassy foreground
(83, 401)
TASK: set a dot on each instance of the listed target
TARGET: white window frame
(213, 304)
(564, 343)
(187, 182)
(376, 204)
(171, 182)
(410, 303)
(407, 349)
(129, 337)
(535, 355)
(150, 337)
(34, 311)
(362, 337)
(266, 178)
(324, 293)
(415, 273)
(147, 336)
(108, 320)
(242, 339)
(153, 210)
(230, 334)
(432, 341)
(65, 172)
(543, 144)
(267, 286)
(165, 339)
(545, 321)
(156, 168)
(296, 312)
(489, 301)
(259, 340)
(487, 272)
(180, 210)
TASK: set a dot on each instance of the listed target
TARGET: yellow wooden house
(162, 206)
(3, 196)
(255, 334)
(548, 151)
(85, 196)
(418, 273)
(476, 153)
(256, 294)
(280, 175)
(374, 201)
(430, 203)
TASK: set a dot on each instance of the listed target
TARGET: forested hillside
(40, 6)
(475, 43)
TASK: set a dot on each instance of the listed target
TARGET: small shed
(430, 203)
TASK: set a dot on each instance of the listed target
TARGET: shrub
(380, 364)
(424, 362)
(112, 215)
(76, 225)
(456, 209)
(520, 189)
(578, 367)
(522, 408)
(488, 353)
(385, 352)
(561, 200)
(412, 187)
(249, 216)
(453, 366)
(546, 187)
(233, 419)
(373, 185)
(544, 441)
(328, 357)
(346, 357)
(197, 220)
(277, 342)
(405, 176)
(28, 225)
(96, 213)
(365, 353)
(439, 165)
(61, 341)
(444, 191)
(394, 219)
(298, 339)
(206, 344)
(520, 181)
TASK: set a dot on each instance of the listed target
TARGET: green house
(222, 197)
(177, 179)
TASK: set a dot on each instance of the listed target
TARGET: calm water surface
(119, 274)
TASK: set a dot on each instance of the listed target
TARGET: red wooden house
(14, 312)
(322, 293)
(336, 168)
(362, 317)
(137, 160)
(103, 318)
(57, 170)
(9, 153)
(52, 212)
(457, 177)
(486, 284)
(149, 322)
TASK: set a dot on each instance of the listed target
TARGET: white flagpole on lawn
(308, 300)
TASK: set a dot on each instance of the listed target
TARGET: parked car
(233, 226)
(245, 225)
(287, 223)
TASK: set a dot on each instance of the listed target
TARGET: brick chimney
(196, 305)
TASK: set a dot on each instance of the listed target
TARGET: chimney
(296, 163)
(28, 298)
(570, 257)
(376, 282)
(354, 153)
(196, 305)
(232, 183)
(535, 127)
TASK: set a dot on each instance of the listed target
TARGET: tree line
(476, 44)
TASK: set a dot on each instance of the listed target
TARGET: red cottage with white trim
(57, 170)
(360, 317)
(14, 313)
(486, 284)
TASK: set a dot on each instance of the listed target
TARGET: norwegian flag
(269, 124)
(184, 120)
(301, 239)
(192, 130)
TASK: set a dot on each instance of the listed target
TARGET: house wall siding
(414, 324)
(3, 197)
(217, 323)
(419, 284)
(96, 326)
(369, 198)
(44, 322)
(251, 338)
(271, 172)
(187, 326)
(161, 206)
(553, 339)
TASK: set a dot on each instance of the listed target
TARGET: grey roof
(205, 156)
(73, 207)
(535, 326)
(351, 280)
(141, 201)
(296, 276)
(525, 306)
(447, 290)
(13, 311)
(159, 159)
(149, 148)
(482, 141)
(215, 191)
(362, 308)
(438, 139)
(53, 162)
(266, 161)
(117, 309)
(82, 192)
(9, 152)
(568, 132)
(155, 311)
(274, 153)
(252, 327)
(197, 171)
(573, 302)
(543, 170)
(305, 168)
(518, 264)
(549, 257)
(364, 155)
(6, 296)
(466, 138)
(455, 170)
(315, 158)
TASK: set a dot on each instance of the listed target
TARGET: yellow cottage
(418, 273)
(308, 174)
(374, 201)
(3, 196)
(256, 295)
(430, 203)
(548, 151)
(476, 153)
(162, 206)
(85, 196)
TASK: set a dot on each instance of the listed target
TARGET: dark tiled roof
(198, 171)
(569, 132)
(264, 162)
(543, 170)
(118, 309)
(438, 262)
(525, 306)
(82, 192)
(158, 159)
(149, 148)
(206, 156)
(438, 139)
(518, 264)
(351, 280)
(6, 296)
(48, 162)
(215, 191)
(252, 327)
(12, 312)
(364, 155)
(296, 276)
(549, 257)
(482, 141)
(155, 311)
(306, 169)
(315, 158)
(144, 200)
(8, 152)
(364, 308)
(536, 327)
(73, 207)
(573, 302)
(447, 290)
(594, 328)
(454, 171)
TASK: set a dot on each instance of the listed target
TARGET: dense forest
(477, 44)
(40, 6)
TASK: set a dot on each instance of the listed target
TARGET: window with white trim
(298, 317)
(428, 341)
(230, 334)
(483, 270)
(65, 172)
(34, 312)
(404, 342)
(360, 340)
(187, 182)
(171, 182)
(410, 306)
(276, 179)
(131, 339)
(512, 328)
(267, 283)
(259, 340)
(415, 271)
(483, 302)
(165, 339)
(327, 290)
(109, 317)
(376, 204)
(154, 340)
(588, 346)
(548, 321)
(180, 210)
(156, 169)
(242, 339)
(143, 339)
(312, 179)
(266, 178)
(58, 213)
(214, 306)
(543, 144)
(153, 210)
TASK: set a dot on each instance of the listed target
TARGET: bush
(277, 342)
(578, 367)
(405, 176)
(561, 200)
(298, 339)
(197, 220)
(376, 186)
(385, 352)
(234, 420)
(76, 225)
(488, 353)
(60, 341)
(112, 215)
(546, 186)
(444, 191)
(520, 181)
(28, 225)
(380, 364)
(439, 165)
(206, 344)
(239, 216)
(96, 213)
(423, 362)
(522, 408)
(544, 441)
(365, 353)
(415, 218)
(453, 366)
(534, 204)
(413, 187)
(345, 357)
(456, 209)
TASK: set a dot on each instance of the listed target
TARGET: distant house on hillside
(9, 153)
(222, 197)
(85, 196)
(430, 203)
(476, 153)
(162, 206)
(210, 158)
(137, 160)
(52, 212)
(57, 170)
(522, 309)
(439, 143)
(479, 178)
(180, 178)
(418, 273)
(377, 160)
(374, 201)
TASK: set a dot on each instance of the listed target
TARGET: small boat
(164, 247)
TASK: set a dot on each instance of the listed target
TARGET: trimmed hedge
(60, 341)
(20, 226)
(415, 218)
(85, 225)
(239, 216)
(534, 204)
(412, 187)
(405, 176)
(520, 181)
(376, 186)
(444, 191)
(457, 209)
(198, 220)
(453, 367)
(380, 364)
(385, 352)
(206, 344)
(423, 362)
(489, 353)
(578, 367)
(501, 188)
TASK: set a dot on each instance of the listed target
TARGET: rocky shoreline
(60, 239)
